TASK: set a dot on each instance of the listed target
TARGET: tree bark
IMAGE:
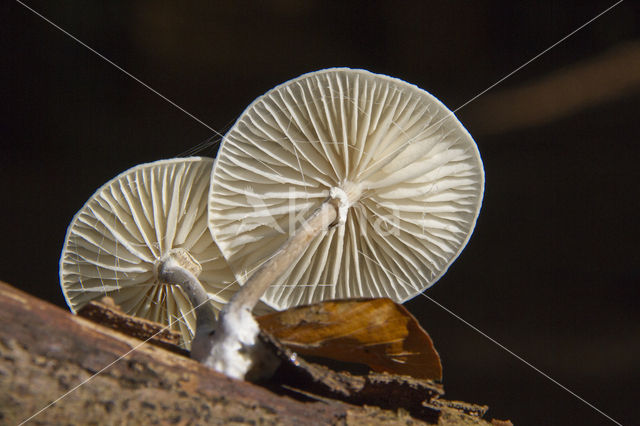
(96, 375)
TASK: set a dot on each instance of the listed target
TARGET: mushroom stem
(171, 272)
(178, 267)
(235, 349)
(289, 252)
(333, 209)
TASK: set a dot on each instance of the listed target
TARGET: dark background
(552, 271)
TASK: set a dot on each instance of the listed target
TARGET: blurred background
(553, 269)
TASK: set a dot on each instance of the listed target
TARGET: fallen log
(58, 368)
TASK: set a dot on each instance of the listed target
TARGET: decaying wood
(299, 377)
(376, 332)
(109, 315)
(105, 377)
(420, 398)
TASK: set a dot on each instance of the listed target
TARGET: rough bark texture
(97, 375)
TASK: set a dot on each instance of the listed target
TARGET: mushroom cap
(418, 170)
(114, 243)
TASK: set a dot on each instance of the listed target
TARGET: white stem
(178, 267)
(170, 271)
(289, 252)
(235, 348)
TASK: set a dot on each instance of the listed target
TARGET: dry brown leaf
(375, 332)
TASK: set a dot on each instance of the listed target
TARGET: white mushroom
(149, 216)
(381, 159)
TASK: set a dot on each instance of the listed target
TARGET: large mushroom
(339, 183)
(381, 159)
(148, 217)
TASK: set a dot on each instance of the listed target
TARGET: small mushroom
(382, 160)
(149, 216)
(338, 184)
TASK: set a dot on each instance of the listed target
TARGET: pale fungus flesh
(134, 224)
(342, 183)
(338, 184)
